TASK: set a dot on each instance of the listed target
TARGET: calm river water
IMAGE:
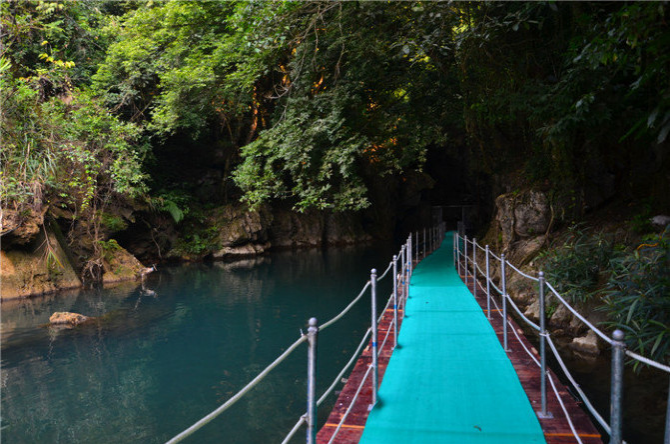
(153, 364)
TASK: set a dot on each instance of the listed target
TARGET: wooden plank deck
(352, 428)
(556, 429)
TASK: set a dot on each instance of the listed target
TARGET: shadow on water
(154, 362)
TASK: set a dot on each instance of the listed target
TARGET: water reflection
(151, 364)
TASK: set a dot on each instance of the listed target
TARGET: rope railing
(205, 420)
(351, 405)
(585, 399)
(647, 361)
(587, 402)
(593, 328)
(523, 316)
(402, 264)
(341, 314)
(521, 272)
(498, 258)
(566, 414)
(385, 272)
(618, 346)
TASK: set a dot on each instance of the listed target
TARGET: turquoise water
(152, 364)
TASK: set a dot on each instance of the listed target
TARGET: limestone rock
(239, 225)
(532, 214)
(67, 319)
(525, 250)
(241, 251)
(21, 227)
(42, 267)
(505, 218)
(293, 229)
(586, 344)
(119, 265)
(344, 229)
(561, 317)
(522, 215)
(660, 221)
(533, 311)
(520, 289)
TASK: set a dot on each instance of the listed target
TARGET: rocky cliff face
(36, 258)
(35, 264)
(522, 223)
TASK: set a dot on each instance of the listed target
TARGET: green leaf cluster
(638, 297)
(579, 267)
(60, 145)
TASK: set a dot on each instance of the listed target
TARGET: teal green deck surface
(450, 380)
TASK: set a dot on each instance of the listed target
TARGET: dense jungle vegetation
(106, 104)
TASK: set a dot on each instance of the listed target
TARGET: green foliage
(638, 297)
(175, 202)
(360, 103)
(579, 267)
(109, 248)
(561, 89)
(59, 145)
(69, 154)
(112, 222)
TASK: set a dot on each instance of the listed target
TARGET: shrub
(578, 267)
(638, 297)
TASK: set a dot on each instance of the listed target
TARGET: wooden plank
(352, 428)
(557, 429)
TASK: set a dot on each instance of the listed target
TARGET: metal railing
(466, 263)
(415, 249)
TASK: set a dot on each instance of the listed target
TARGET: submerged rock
(68, 319)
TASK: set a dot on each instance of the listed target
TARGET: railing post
(666, 440)
(395, 301)
(418, 248)
(403, 271)
(616, 394)
(465, 259)
(457, 242)
(543, 356)
(410, 243)
(474, 267)
(425, 245)
(375, 367)
(433, 238)
(408, 262)
(488, 286)
(312, 334)
(504, 300)
(455, 252)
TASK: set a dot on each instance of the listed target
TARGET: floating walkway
(450, 380)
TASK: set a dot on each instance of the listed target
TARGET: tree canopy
(314, 101)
